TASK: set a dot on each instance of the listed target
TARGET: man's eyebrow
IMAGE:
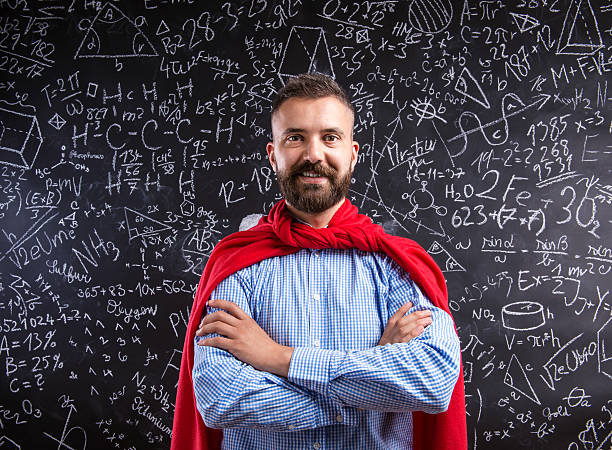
(293, 130)
(302, 130)
(334, 130)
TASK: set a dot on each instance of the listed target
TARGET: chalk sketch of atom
(20, 138)
(424, 109)
(430, 16)
(111, 34)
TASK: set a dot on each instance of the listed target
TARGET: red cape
(278, 235)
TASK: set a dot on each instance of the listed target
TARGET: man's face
(313, 152)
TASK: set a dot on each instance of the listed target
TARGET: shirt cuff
(313, 368)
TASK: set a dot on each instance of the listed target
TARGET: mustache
(317, 168)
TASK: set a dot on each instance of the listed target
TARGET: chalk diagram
(439, 253)
(430, 16)
(580, 33)
(524, 22)
(78, 440)
(425, 109)
(20, 136)
(523, 316)
(306, 51)
(7, 443)
(604, 339)
(57, 121)
(467, 85)
(516, 378)
(422, 199)
(511, 105)
(139, 225)
(111, 34)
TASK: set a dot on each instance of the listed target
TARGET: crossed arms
(242, 378)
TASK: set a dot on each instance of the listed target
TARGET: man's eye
(331, 138)
(293, 138)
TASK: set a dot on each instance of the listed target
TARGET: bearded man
(315, 328)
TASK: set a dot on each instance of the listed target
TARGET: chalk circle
(430, 16)
(84, 24)
(523, 316)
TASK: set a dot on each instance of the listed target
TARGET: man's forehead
(294, 114)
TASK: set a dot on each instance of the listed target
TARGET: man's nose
(313, 151)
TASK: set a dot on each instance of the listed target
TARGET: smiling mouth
(311, 174)
(312, 177)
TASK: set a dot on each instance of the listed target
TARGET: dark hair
(311, 85)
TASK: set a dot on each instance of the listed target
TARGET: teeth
(310, 174)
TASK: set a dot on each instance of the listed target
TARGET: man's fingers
(219, 316)
(217, 341)
(221, 328)
(424, 318)
(417, 315)
(424, 322)
(230, 307)
(401, 311)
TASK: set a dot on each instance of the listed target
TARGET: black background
(133, 137)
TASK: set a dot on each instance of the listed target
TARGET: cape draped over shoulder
(277, 235)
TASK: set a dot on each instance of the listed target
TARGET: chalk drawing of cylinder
(523, 316)
(20, 138)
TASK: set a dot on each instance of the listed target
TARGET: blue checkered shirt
(343, 391)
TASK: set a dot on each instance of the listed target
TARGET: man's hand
(402, 328)
(244, 338)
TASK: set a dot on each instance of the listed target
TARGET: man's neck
(315, 220)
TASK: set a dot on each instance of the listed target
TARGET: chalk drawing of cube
(20, 138)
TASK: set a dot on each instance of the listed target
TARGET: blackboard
(132, 139)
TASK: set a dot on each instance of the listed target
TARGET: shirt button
(291, 427)
(316, 253)
(317, 343)
(339, 418)
(317, 297)
(316, 446)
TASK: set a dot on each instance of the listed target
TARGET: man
(304, 344)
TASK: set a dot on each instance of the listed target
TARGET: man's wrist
(280, 361)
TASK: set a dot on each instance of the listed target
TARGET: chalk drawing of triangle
(580, 34)
(112, 34)
(306, 51)
(516, 378)
(467, 85)
(450, 264)
(140, 225)
(321, 61)
(524, 22)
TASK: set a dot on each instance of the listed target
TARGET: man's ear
(271, 157)
(355, 151)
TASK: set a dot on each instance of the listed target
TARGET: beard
(313, 198)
